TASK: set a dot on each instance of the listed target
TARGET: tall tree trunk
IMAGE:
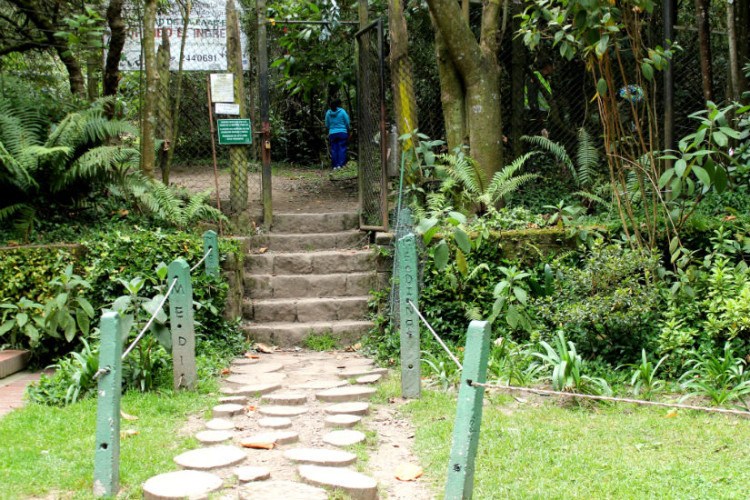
(117, 34)
(148, 123)
(93, 72)
(734, 63)
(476, 63)
(743, 41)
(452, 96)
(164, 121)
(404, 100)
(238, 157)
(704, 36)
(517, 85)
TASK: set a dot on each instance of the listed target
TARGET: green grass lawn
(543, 450)
(47, 451)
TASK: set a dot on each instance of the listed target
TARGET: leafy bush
(609, 305)
(29, 271)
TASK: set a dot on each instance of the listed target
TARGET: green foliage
(439, 370)
(721, 378)
(321, 342)
(69, 312)
(21, 323)
(72, 380)
(608, 303)
(513, 363)
(568, 368)
(643, 378)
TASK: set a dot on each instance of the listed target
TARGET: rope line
(434, 334)
(151, 320)
(210, 249)
(547, 392)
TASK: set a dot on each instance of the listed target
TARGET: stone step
(292, 286)
(315, 222)
(323, 262)
(306, 310)
(297, 242)
(355, 484)
(294, 334)
(181, 484)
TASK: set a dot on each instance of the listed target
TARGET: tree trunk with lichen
(164, 109)
(404, 100)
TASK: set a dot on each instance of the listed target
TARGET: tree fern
(556, 149)
(506, 182)
(587, 158)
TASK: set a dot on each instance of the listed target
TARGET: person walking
(338, 124)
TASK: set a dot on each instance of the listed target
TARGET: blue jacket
(337, 121)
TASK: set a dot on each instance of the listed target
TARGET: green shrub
(28, 271)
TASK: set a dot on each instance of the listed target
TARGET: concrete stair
(309, 276)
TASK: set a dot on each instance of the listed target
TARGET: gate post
(406, 252)
(460, 483)
(109, 387)
(182, 325)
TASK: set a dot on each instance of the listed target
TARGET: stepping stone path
(181, 484)
(343, 438)
(282, 422)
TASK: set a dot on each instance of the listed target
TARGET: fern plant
(471, 190)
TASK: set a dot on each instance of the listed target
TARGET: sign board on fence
(205, 37)
(234, 131)
(224, 108)
(222, 87)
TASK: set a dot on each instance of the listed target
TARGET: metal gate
(373, 202)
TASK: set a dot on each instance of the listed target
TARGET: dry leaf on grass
(128, 433)
(125, 416)
(257, 446)
(408, 472)
(671, 414)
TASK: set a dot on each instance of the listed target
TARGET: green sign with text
(234, 132)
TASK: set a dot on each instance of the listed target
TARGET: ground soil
(295, 188)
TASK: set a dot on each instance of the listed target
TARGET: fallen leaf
(408, 472)
(257, 445)
(671, 414)
(354, 347)
(251, 408)
(730, 217)
(262, 249)
(125, 416)
(225, 371)
(264, 348)
(123, 213)
(128, 433)
(250, 355)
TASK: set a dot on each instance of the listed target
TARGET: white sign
(223, 108)
(222, 87)
(205, 37)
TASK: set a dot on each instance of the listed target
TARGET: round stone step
(282, 411)
(275, 422)
(319, 385)
(249, 473)
(256, 390)
(349, 408)
(344, 438)
(260, 378)
(285, 398)
(213, 437)
(227, 410)
(358, 362)
(234, 400)
(342, 420)
(278, 437)
(359, 372)
(245, 361)
(220, 424)
(345, 394)
(181, 484)
(321, 456)
(213, 457)
(357, 485)
(369, 379)
(288, 490)
(256, 369)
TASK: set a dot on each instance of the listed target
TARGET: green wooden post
(107, 454)
(211, 240)
(182, 325)
(469, 413)
(408, 292)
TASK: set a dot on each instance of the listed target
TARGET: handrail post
(107, 454)
(211, 242)
(460, 483)
(406, 251)
(182, 325)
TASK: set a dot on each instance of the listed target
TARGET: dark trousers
(339, 143)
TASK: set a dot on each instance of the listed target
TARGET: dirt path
(301, 189)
